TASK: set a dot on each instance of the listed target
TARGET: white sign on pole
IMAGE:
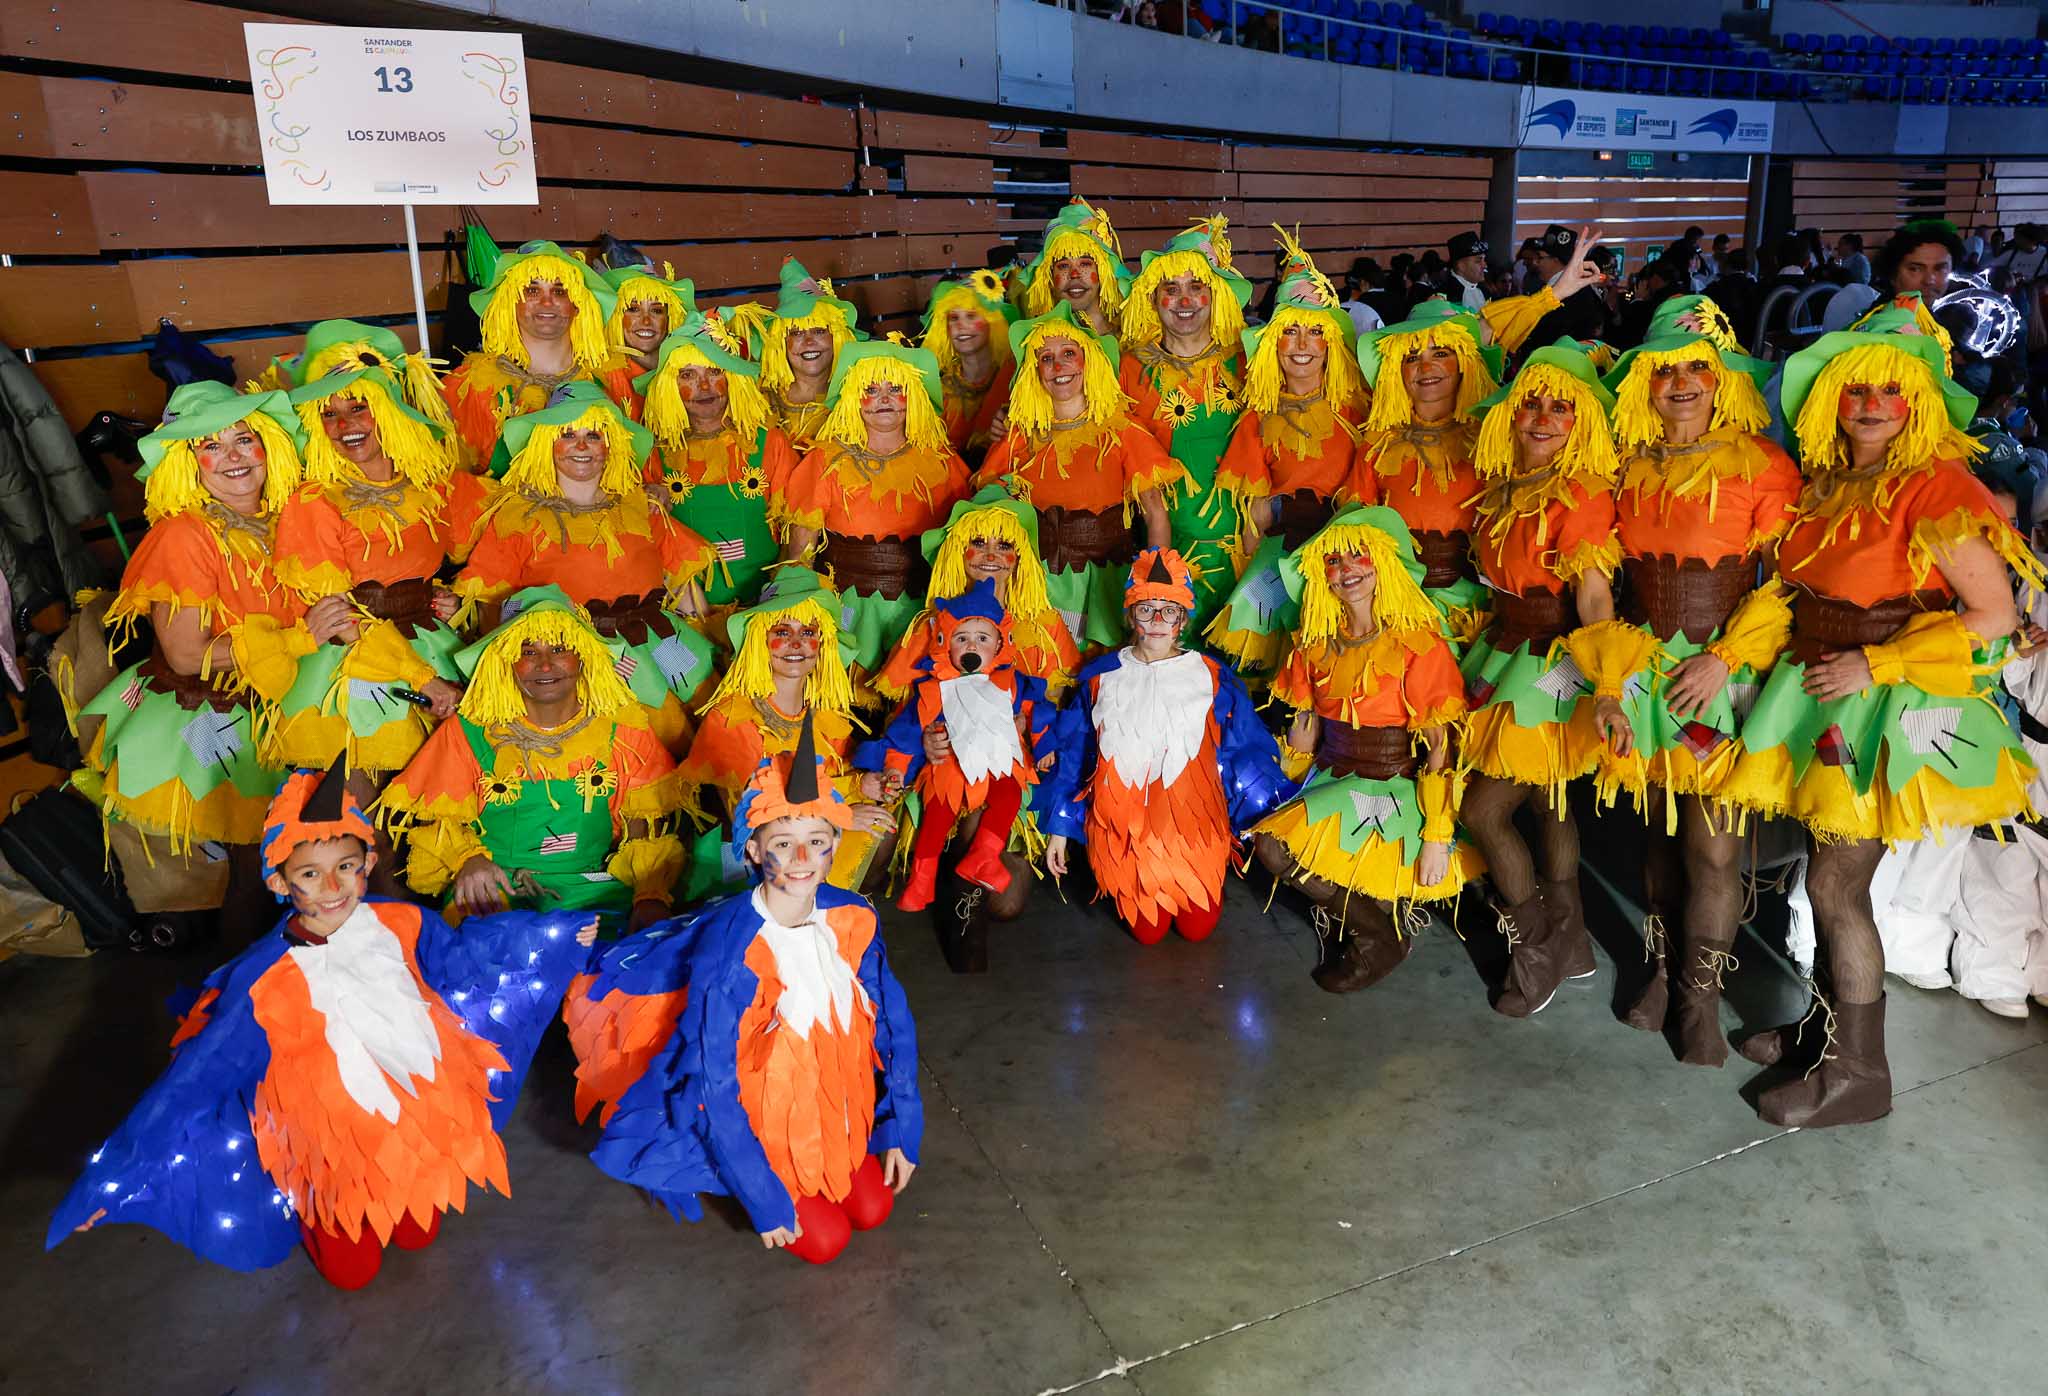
(1556, 118)
(392, 116)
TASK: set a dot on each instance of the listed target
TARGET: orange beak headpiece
(795, 786)
(1160, 574)
(978, 602)
(312, 808)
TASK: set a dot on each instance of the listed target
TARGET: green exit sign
(1641, 159)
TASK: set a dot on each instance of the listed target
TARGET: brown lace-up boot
(1700, 1039)
(1534, 969)
(1654, 1002)
(1575, 942)
(1851, 1086)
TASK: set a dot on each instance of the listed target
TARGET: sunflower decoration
(596, 782)
(1222, 396)
(722, 334)
(679, 490)
(501, 789)
(753, 482)
(1016, 486)
(1179, 407)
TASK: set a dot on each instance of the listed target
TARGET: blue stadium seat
(1414, 15)
(1836, 43)
(1505, 69)
(1487, 20)
(1369, 11)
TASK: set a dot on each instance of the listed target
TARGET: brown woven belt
(630, 618)
(1538, 618)
(1685, 596)
(888, 567)
(1302, 515)
(407, 605)
(191, 691)
(1821, 623)
(1377, 753)
(1445, 557)
(1070, 539)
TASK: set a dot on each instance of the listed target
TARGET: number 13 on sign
(394, 79)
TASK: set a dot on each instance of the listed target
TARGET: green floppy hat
(1567, 354)
(989, 497)
(1063, 315)
(921, 361)
(1303, 287)
(1375, 516)
(1078, 218)
(575, 271)
(694, 333)
(619, 278)
(1884, 328)
(342, 381)
(570, 402)
(328, 333)
(199, 410)
(1430, 315)
(799, 293)
(1718, 327)
(1197, 239)
(985, 286)
(788, 587)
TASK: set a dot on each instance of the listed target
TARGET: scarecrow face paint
(1061, 365)
(793, 854)
(988, 559)
(792, 649)
(545, 311)
(1304, 353)
(580, 454)
(973, 645)
(233, 468)
(546, 674)
(1542, 424)
(1872, 414)
(1924, 269)
(1431, 376)
(646, 325)
(349, 425)
(810, 353)
(884, 407)
(1683, 393)
(703, 391)
(967, 330)
(324, 881)
(1183, 305)
(1076, 279)
(1350, 576)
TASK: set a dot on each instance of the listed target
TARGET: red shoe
(922, 887)
(983, 865)
(409, 1235)
(345, 1264)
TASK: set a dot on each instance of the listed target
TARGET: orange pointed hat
(1160, 574)
(313, 807)
(796, 786)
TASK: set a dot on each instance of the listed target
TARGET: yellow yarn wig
(1343, 384)
(493, 695)
(1226, 317)
(1588, 451)
(1031, 409)
(1928, 433)
(924, 426)
(533, 469)
(1391, 406)
(994, 524)
(1072, 242)
(174, 487)
(749, 674)
(746, 410)
(586, 332)
(1737, 402)
(775, 371)
(415, 452)
(975, 298)
(1398, 602)
(416, 378)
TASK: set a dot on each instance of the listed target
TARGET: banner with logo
(1556, 118)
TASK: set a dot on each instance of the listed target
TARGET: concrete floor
(1159, 1171)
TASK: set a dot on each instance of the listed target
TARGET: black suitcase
(55, 841)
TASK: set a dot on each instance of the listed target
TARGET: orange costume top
(331, 537)
(1421, 471)
(214, 561)
(1543, 545)
(1397, 678)
(1874, 549)
(627, 547)
(722, 459)
(485, 389)
(1087, 468)
(1729, 495)
(1305, 447)
(970, 413)
(852, 494)
(735, 734)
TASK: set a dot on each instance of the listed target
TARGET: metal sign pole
(419, 293)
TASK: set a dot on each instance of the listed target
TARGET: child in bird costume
(995, 719)
(1377, 696)
(341, 1083)
(761, 1049)
(967, 329)
(1305, 406)
(1161, 761)
(1088, 470)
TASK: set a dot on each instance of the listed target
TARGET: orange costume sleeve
(1146, 408)
(474, 411)
(432, 804)
(685, 556)
(809, 494)
(1002, 458)
(1147, 465)
(778, 460)
(1244, 467)
(1432, 688)
(313, 557)
(723, 756)
(499, 563)
(1362, 485)
(1584, 535)
(1775, 493)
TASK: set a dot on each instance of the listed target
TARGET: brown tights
(1488, 813)
(1838, 882)
(1700, 870)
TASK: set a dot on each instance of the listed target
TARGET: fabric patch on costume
(211, 737)
(1833, 748)
(625, 665)
(730, 549)
(559, 843)
(1564, 682)
(379, 1027)
(981, 723)
(1373, 811)
(676, 660)
(1150, 718)
(1930, 731)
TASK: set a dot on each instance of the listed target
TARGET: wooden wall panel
(593, 155)
(45, 215)
(131, 122)
(65, 305)
(627, 99)
(943, 174)
(1141, 182)
(1115, 148)
(156, 36)
(945, 135)
(212, 293)
(1875, 198)
(24, 125)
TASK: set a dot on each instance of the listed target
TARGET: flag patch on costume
(1479, 693)
(731, 549)
(559, 843)
(131, 696)
(1833, 748)
(1930, 731)
(676, 660)
(625, 666)
(1564, 682)
(211, 737)
(1700, 739)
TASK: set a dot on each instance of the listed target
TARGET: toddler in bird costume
(340, 1083)
(992, 717)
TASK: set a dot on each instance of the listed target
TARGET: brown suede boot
(1534, 969)
(1796, 1044)
(1851, 1086)
(1654, 1002)
(1364, 950)
(1700, 1039)
(1575, 942)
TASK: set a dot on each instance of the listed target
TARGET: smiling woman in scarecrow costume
(1183, 333)
(1544, 535)
(573, 513)
(1305, 404)
(798, 351)
(1429, 374)
(544, 315)
(719, 450)
(1087, 469)
(175, 757)
(1702, 501)
(881, 474)
(1079, 263)
(1376, 695)
(1877, 726)
(648, 307)
(548, 789)
(967, 329)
